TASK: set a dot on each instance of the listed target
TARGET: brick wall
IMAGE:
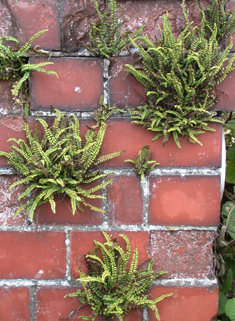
(172, 217)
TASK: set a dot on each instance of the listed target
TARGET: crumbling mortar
(33, 302)
(35, 284)
(104, 227)
(145, 193)
(67, 244)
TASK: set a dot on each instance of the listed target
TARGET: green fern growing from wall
(143, 165)
(59, 163)
(13, 66)
(180, 76)
(217, 14)
(106, 37)
(110, 288)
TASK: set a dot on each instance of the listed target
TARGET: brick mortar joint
(105, 227)
(186, 282)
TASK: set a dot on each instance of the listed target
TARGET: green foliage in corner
(181, 74)
(225, 256)
(106, 37)
(59, 163)
(110, 289)
(13, 66)
(143, 165)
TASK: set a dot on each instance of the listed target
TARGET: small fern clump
(143, 165)
(180, 76)
(13, 66)
(59, 163)
(106, 35)
(109, 288)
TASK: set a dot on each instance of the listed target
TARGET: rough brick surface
(125, 201)
(125, 90)
(184, 200)
(30, 255)
(82, 243)
(14, 304)
(9, 203)
(184, 254)
(132, 138)
(65, 216)
(186, 304)
(7, 105)
(9, 127)
(225, 93)
(76, 15)
(78, 87)
(22, 19)
(51, 305)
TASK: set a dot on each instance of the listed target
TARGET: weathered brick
(125, 201)
(132, 138)
(14, 304)
(191, 200)
(51, 305)
(82, 243)
(184, 254)
(30, 255)
(10, 127)
(9, 203)
(226, 94)
(187, 303)
(125, 90)
(7, 105)
(75, 26)
(64, 213)
(78, 87)
(76, 15)
(25, 18)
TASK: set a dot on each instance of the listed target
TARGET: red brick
(30, 255)
(125, 90)
(121, 135)
(14, 304)
(125, 200)
(9, 203)
(226, 94)
(187, 303)
(51, 305)
(190, 200)
(75, 26)
(33, 16)
(10, 127)
(135, 14)
(82, 243)
(78, 87)
(184, 254)
(64, 213)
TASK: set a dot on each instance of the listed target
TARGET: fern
(143, 165)
(106, 38)
(181, 74)
(109, 288)
(59, 163)
(13, 66)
